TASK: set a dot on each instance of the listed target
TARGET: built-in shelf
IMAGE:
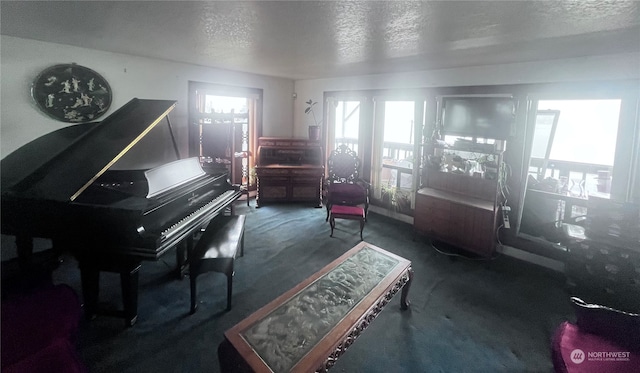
(460, 207)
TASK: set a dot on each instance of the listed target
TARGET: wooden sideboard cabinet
(459, 210)
(289, 170)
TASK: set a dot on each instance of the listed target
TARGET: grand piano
(61, 186)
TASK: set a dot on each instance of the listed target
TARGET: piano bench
(216, 251)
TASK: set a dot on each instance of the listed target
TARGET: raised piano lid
(80, 156)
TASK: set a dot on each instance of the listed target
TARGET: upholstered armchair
(601, 340)
(344, 186)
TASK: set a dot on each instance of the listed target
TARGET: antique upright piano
(289, 170)
(61, 187)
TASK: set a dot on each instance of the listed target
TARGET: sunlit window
(398, 121)
(396, 168)
(586, 130)
(347, 123)
(225, 104)
(575, 143)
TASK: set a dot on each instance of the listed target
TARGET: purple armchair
(39, 331)
(344, 186)
(601, 340)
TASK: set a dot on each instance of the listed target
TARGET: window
(383, 133)
(397, 146)
(575, 142)
(224, 134)
(224, 127)
(572, 157)
(347, 124)
(590, 124)
(393, 164)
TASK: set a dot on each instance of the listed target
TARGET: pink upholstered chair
(344, 186)
(39, 331)
(602, 340)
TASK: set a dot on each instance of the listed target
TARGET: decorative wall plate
(71, 93)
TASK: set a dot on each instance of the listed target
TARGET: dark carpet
(466, 315)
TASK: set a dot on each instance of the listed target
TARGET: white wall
(594, 68)
(21, 121)
(21, 60)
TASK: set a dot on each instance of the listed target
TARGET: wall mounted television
(478, 117)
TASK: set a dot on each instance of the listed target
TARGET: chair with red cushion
(346, 212)
(344, 186)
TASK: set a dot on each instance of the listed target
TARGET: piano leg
(90, 277)
(24, 247)
(129, 285)
(182, 265)
(90, 268)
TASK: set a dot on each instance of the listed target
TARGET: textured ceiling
(317, 39)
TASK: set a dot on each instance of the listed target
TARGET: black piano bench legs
(216, 251)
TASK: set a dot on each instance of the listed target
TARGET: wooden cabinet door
(462, 222)
(421, 214)
(473, 228)
(483, 231)
(433, 216)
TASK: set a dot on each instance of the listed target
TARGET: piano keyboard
(217, 203)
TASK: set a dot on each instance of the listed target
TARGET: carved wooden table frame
(362, 282)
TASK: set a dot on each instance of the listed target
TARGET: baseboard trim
(513, 252)
(392, 214)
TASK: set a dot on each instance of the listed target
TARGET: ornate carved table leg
(404, 302)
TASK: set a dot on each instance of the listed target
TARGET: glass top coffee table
(309, 327)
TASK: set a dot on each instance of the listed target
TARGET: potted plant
(314, 129)
(395, 199)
